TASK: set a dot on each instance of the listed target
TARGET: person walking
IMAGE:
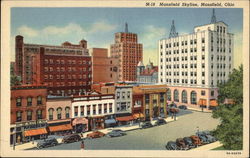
(82, 145)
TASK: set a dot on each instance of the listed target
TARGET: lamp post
(14, 138)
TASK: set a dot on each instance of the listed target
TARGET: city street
(149, 139)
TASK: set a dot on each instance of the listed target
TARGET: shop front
(35, 134)
(60, 127)
(125, 120)
(80, 124)
(97, 123)
(213, 104)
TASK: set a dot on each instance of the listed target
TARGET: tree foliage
(230, 131)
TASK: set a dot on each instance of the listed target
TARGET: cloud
(152, 34)
(68, 29)
(102, 26)
(27, 31)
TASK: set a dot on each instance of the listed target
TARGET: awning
(35, 132)
(213, 103)
(125, 118)
(202, 102)
(229, 101)
(60, 128)
(110, 121)
(79, 120)
(136, 115)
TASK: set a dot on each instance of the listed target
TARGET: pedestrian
(82, 145)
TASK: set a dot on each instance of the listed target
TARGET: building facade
(65, 69)
(94, 107)
(129, 52)
(147, 74)
(199, 60)
(28, 112)
(104, 68)
(123, 99)
(154, 100)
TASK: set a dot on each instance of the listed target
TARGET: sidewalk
(204, 110)
(209, 146)
(105, 131)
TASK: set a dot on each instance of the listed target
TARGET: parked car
(119, 130)
(181, 144)
(172, 146)
(71, 138)
(188, 142)
(206, 137)
(184, 107)
(196, 140)
(160, 122)
(95, 134)
(210, 138)
(146, 125)
(115, 133)
(47, 142)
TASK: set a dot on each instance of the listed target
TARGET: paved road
(149, 139)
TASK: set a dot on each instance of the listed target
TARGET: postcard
(125, 78)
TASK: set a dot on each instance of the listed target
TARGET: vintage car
(172, 146)
(47, 143)
(71, 138)
(181, 144)
(196, 140)
(95, 134)
(116, 133)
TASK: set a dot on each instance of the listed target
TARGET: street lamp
(14, 138)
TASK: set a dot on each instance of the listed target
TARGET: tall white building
(200, 59)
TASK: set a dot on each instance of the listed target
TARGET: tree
(230, 131)
(14, 79)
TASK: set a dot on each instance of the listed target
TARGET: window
(146, 98)
(212, 93)
(193, 97)
(118, 95)
(203, 81)
(123, 95)
(19, 102)
(184, 96)
(59, 113)
(203, 93)
(51, 114)
(110, 107)
(128, 94)
(29, 115)
(176, 95)
(39, 100)
(18, 116)
(39, 114)
(203, 57)
(203, 73)
(203, 40)
(100, 108)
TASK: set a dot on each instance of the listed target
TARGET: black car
(46, 143)
(71, 138)
(172, 146)
(203, 138)
(116, 133)
(189, 143)
(146, 125)
(119, 130)
(208, 135)
(184, 107)
(160, 122)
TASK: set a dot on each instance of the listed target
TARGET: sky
(54, 26)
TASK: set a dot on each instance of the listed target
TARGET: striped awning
(202, 102)
(213, 103)
(35, 132)
(137, 115)
(60, 128)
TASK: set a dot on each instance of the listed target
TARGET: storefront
(97, 122)
(213, 104)
(80, 124)
(125, 120)
(138, 117)
(60, 127)
(35, 134)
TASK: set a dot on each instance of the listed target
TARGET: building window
(59, 113)
(110, 107)
(118, 95)
(39, 114)
(203, 74)
(67, 112)
(19, 102)
(82, 110)
(39, 100)
(147, 98)
(29, 115)
(184, 96)
(168, 94)
(123, 95)
(94, 109)
(193, 97)
(212, 93)
(128, 95)
(18, 116)
(176, 95)
(51, 114)
(203, 40)
(203, 93)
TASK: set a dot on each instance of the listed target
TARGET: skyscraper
(129, 52)
(199, 60)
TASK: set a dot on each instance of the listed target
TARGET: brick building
(28, 111)
(129, 52)
(65, 69)
(104, 68)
